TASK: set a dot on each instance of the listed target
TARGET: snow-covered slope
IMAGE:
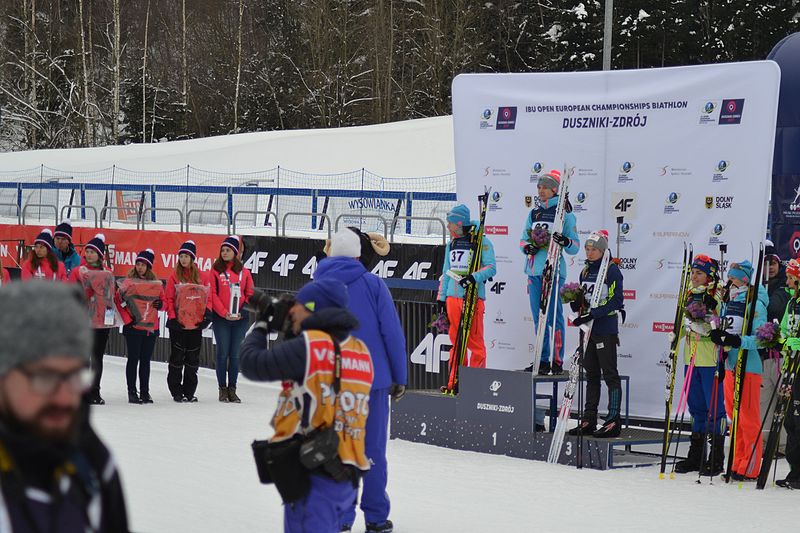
(422, 147)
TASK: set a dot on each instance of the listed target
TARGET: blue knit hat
(742, 271)
(322, 294)
(190, 248)
(98, 244)
(459, 215)
(146, 256)
(232, 242)
(705, 264)
(64, 229)
(45, 238)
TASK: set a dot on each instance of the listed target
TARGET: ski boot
(692, 461)
(585, 428)
(384, 527)
(544, 368)
(612, 428)
(557, 369)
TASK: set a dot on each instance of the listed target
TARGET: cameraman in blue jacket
(370, 301)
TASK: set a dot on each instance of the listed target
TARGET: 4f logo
(624, 204)
(498, 287)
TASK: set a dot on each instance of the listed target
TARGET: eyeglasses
(46, 382)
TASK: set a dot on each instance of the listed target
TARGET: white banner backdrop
(684, 154)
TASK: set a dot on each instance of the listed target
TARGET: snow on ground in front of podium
(188, 468)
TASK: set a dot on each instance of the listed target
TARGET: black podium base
(494, 414)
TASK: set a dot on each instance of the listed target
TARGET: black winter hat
(64, 230)
(188, 248)
(45, 237)
(146, 256)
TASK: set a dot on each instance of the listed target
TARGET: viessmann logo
(663, 327)
(496, 230)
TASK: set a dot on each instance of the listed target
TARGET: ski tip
(661, 475)
(672, 475)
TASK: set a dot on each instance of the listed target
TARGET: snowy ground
(188, 468)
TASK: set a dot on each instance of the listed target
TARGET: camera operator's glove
(720, 337)
(530, 249)
(173, 323)
(466, 281)
(158, 303)
(583, 319)
(206, 320)
(397, 391)
(561, 239)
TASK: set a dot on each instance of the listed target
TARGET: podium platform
(493, 413)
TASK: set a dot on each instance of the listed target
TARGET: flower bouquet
(769, 335)
(440, 323)
(539, 237)
(571, 292)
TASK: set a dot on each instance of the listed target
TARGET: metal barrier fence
(358, 198)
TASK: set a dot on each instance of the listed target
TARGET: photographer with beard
(316, 456)
(55, 473)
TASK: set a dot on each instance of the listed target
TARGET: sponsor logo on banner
(627, 263)
(731, 111)
(668, 170)
(494, 201)
(709, 113)
(528, 201)
(506, 118)
(629, 294)
(589, 172)
(719, 202)
(495, 386)
(663, 296)
(719, 171)
(670, 234)
(624, 175)
(663, 327)
(503, 259)
(487, 121)
(716, 235)
(625, 356)
(498, 318)
(496, 230)
(671, 207)
(669, 265)
(498, 287)
(432, 351)
(792, 209)
(494, 172)
(580, 199)
(663, 360)
(624, 204)
(629, 325)
(625, 232)
(537, 169)
(794, 243)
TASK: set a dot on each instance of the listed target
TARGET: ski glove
(397, 391)
(720, 337)
(578, 303)
(792, 344)
(710, 302)
(583, 319)
(466, 281)
(530, 249)
(561, 239)
(173, 323)
(158, 303)
(441, 307)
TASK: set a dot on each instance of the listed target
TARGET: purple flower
(570, 292)
(696, 310)
(539, 237)
(440, 323)
(768, 335)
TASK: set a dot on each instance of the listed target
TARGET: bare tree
(144, 79)
(238, 69)
(117, 53)
(89, 140)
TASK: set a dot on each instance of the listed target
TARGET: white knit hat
(345, 243)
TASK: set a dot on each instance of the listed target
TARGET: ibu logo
(722, 166)
(537, 167)
(709, 107)
(627, 166)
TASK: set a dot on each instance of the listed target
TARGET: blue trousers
(534, 294)
(321, 510)
(228, 335)
(700, 399)
(374, 499)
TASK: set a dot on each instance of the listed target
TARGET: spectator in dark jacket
(379, 327)
(771, 359)
(55, 474)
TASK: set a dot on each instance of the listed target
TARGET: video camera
(274, 311)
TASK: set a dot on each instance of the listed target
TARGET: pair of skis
(672, 360)
(575, 366)
(550, 274)
(470, 299)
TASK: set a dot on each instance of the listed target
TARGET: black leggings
(184, 359)
(601, 358)
(98, 350)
